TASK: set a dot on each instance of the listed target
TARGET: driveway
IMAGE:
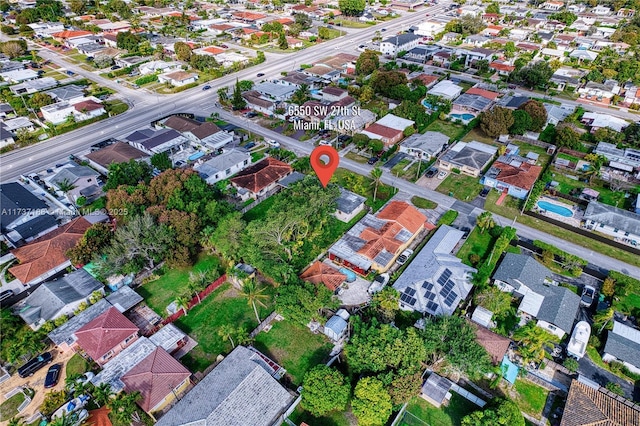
(602, 377)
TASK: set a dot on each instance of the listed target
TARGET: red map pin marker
(324, 170)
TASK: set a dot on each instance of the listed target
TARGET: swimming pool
(314, 91)
(195, 156)
(351, 276)
(465, 117)
(554, 208)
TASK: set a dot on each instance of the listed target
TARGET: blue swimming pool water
(465, 117)
(314, 91)
(195, 156)
(554, 208)
(351, 276)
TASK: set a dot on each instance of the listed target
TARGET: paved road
(601, 376)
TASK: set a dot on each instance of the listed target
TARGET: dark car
(485, 192)
(383, 30)
(70, 73)
(260, 74)
(250, 145)
(52, 376)
(35, 364)
(224, 46)
(344, 138)
(115, 67)
(5, 295)
(373, 160)
(207, 87)
(431, 172)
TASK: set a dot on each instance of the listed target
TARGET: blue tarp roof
(509, 370)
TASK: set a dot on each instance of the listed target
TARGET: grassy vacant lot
(336, 418)
(348, 23)
(526, 148)
(445, 127)
(294, 347)
(627, 303)
(160, 293)
(223, 306)
(9, 408)
(477, 243)
(607, 196)
(363, 185)
(450, 415)
(356, 157)
(423, 203)
(463, 187)
(412, 173)
(531, 397)
(76, 365)
(478, 135)
(510, 210)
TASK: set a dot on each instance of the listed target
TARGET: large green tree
(226, 238)
(352, 7)
(93, 241)
(302, 302)
(237, 101)
(129, 173)
(367, 62)
(534, 75)
(500, 412)
(324, 389)
(371, 403)
(532, 340)
(521, 122)
(183, 51)
(537, 112)
(496, 121)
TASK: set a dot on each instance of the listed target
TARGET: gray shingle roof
(72, 174)
(519, 268)
(623, 349)
(35, 226)
(348, 201)
(559, 307)
(15, 199)
(66, 93)
(124, 299)
(613, 217)
(430, 142)
(238, 392)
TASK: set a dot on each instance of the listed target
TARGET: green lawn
(363, 185)
(294, 347)
(352, 24)
(76, 365)
(526, 148)
(336, 418)
(450, 129)
(531, 397)
(463, 187)
(160, 293)
(478, 135)
(355, 157)
(223, 306)
(423, 203)
(607, 196)
(450, 415)
(510, 209)
(628, 303)
(477, 243)
(412, 173)
(9, 408)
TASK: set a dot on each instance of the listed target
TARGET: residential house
(71, 93)
(468, 157)
(18, 123)
(589, 404)
(584, 55)
(503, 68)
(170, 338)
(106, 336)
(446, 89)
(33, 86)
(424, 145)
(623, 345)
(46, 256)
(399, 43)
(567, 78)
(323, 273)
(554, 307)
(512, 174)
(553, 6)
(431, 26)
(436, 281)
(223, 166)
(159, 378)
(178, 78)
(360, 119)
(84, 182)
(256, 102)
(60, 112)
(241, 390)
(261, 178)
(6, 137)
(435, 390)
(18, 76)
(376, 241)
(593, 92)
(476, 40)
(156, 142)
(621, 224)
(6, 110)
(333, 94)
(274, 91)
(337, 327)
(421, 54)
(495, 344)
(348, 205)
(627, 159)
(59, 297)
(19, 207)
(157, 67)
(115, 153)
(389, 129)
(120, 364)
(469, 105)
(512, 102)
(599, 120)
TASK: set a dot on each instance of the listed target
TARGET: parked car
(250, 145)
(588, 295)
(53, 374)
(224, 46)
(383, 30)
(431, 172)
(373, 160)
(272, 143)
(443, 174)
(378, 283)
(70, 73)
(402, 259)
(115, 67)
(485, 192)
(5, 295)
(207, 87)
(35, 364)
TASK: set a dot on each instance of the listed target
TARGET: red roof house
(386, 134)
(106, 336)
(159, 378)
(515, 176)
(321, 273)
(484, 93)
(260, 178)
(65, 35)
(46, 255)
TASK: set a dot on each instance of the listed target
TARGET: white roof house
(599, 120)
(18, 76)
(223, 166)
(152, 67)
(395, 122)
(275, 91)
(446, 89)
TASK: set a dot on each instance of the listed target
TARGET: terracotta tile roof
(285, 21)
(155, 377)
(249, 30)
(99, 417)
(382, 239)
(495, 344)
(249, 16)
(213, 50)
(221, 27)
(71, 34)
(403, 213)
(502, 67)
(88, 105)
(262, 174)
(384, 131)
(321, 273)
(522, 177)
(588, 406)
(426, 79)
(104, 333)
(484, 93)
(47, 252)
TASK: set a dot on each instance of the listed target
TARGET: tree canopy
(496, 121)
(537, 112)
(351, 7)
(501, 412)
(371, 403)
(324, 389)
(367, 62)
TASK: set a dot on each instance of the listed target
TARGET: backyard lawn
(363, 185)
(9, 408)
(423, 203)
(160, 293)
(76, 365)
(445, 127)
(223, 306)
(462, 187)
(478, 135)
(420, 412)
(607, 196)
(336, 418)
(477, 243)
(531, 398)
(294, 347)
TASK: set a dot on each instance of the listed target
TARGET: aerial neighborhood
(170, 252)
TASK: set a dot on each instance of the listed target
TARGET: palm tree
(124, 406)
(198, 282)
(102, 394)
(485, 221)
(254, 294)
(603, 318)
(17, 421)
(376, 175)
(227, 331)
(532, 340)
(65, 420)
(65, 186)
(182, 302)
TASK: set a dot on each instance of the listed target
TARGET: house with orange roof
(322, 273)
(46, 256)
(502, 67)
(376, 241)
(159, 378)
(492, 30)
(487, 94)
(261, 178)
(106, 336)
(294, 43)
(252, 17)
(211, 50)
(513, 174)
(62, 36)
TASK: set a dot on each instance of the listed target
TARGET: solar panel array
(407, 296)
(448, 285)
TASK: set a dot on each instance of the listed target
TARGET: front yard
(420, 412)
(223, 307)
(294, 347)
(460, 186)
(477, 243)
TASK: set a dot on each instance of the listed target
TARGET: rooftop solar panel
(410, 291)
(433, 307)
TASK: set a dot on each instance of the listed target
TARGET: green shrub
(146, 79)
(448, 218)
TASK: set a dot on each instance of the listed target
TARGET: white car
(378, 283)
(442, 175)
(272, 143)
(402, 259)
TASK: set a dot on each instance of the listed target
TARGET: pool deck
(573, 220)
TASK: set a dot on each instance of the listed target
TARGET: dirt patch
(230, 293)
